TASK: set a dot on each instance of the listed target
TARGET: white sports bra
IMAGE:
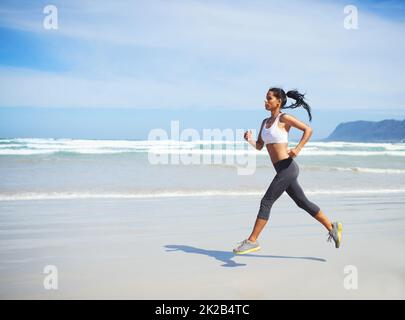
(274, 134)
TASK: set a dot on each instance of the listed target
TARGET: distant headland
(369, 131)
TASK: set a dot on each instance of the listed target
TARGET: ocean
(38, 169)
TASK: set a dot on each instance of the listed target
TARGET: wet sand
(181, 248)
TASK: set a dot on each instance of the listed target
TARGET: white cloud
(210, 53)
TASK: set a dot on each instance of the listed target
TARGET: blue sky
(214, 59)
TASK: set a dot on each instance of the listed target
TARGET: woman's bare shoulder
(286, 116)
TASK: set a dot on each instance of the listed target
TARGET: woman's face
(271, 101)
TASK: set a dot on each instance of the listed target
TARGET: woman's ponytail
(299, 102)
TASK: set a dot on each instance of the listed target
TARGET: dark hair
(294, 94)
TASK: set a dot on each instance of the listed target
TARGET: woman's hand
(248, 135)
(293, 152)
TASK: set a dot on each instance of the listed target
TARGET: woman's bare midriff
(277, 151)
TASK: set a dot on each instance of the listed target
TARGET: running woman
(274, 135)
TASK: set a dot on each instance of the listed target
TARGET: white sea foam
(369, 170)
(176, 194)
(34, 146)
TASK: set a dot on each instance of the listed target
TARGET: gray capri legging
(286, 180)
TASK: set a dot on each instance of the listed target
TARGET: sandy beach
(139, 139)
(181, 248)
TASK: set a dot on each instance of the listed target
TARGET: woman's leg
(296, 192)
(279, 184)
(257, 229)
(322, 218)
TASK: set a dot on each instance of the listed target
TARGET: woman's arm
(294, 122)
(258, 145)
